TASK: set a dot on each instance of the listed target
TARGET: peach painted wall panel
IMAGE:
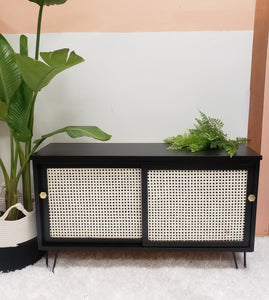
(263, 201)
(129, 15)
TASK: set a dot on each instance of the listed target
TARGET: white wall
(144, 87)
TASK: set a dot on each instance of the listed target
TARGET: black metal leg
(47, 258)
(55, 259)
(235, 261)
(245, 259)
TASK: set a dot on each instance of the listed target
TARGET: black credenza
(143, 196)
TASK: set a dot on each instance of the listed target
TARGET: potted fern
(21, 79)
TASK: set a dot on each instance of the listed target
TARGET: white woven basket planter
(13, 233)
(18, 239)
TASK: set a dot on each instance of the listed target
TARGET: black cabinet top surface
(130, 150)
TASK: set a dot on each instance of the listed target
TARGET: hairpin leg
(235, 261)
(47, 258)
(55, 259)
(245, 259)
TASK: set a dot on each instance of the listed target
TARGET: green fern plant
(206, 134)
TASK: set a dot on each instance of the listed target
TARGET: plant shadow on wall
(21, 79)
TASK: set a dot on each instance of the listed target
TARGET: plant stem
(31, 119)
(27, 159)
(11, 183)
(6, 177)
(12, 162)
(26, 173)
(16, 157)
(11, 198)
(37, 144)
(38, 31)
(26, 181)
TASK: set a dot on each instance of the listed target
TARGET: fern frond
(206, 134)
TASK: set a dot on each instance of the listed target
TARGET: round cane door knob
(43, 195)
(251, 198)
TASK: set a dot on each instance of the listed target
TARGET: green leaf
(19, 112)
(60, 57)
(242, 141)
(230, 147)
(10, 78)
(3, 111)
(57, 57)
(38, 74)
(23, 45)
(48, 2)
(89, 131)
(207, 134)
(78, 131)
(33, 71)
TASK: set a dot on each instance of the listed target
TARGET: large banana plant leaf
(3, 111)
(38, 74)
(10, 78)
(89, 131)
(19, 112)
(78, 131)
(48, 2)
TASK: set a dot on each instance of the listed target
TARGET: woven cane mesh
(196, 205)
(95, 203)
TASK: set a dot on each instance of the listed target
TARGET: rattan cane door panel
(196, 205)
(94, 203)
